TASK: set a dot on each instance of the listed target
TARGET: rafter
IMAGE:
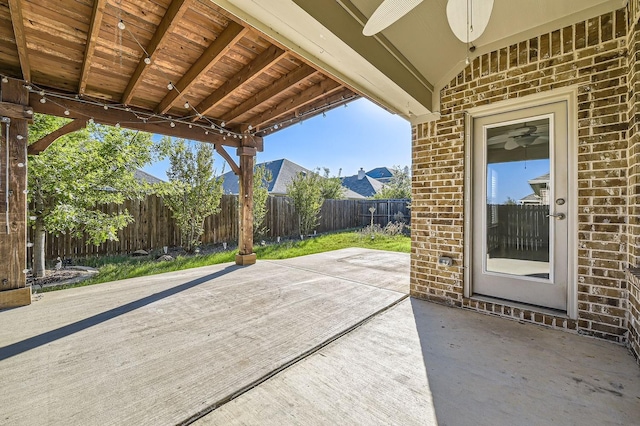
(92, 38)
(279, 86)
(43, 143)
(305, 97)
(216, 50)
(129, 120)
(266, 59)
(174, 13)
(15, 9)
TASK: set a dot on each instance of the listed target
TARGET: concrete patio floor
(324, 339)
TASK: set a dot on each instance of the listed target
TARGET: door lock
(559, 216)
(560, 201)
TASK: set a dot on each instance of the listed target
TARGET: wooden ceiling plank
(216, 50)
(279, 86)
(92, 38)
(112, 116)
(43, 143)
(263, 61)
(174, 13)
(15, 9)
(305, 97)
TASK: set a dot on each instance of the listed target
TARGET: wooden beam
(43, 143)
(13, 199)
(16, 111)
(307, 96)
(263, 61)
(279, 86)
(216, 50)
(224, 154)
(15, 9)
(174, 13)
(245, 255)
(112, 116)
(92, 38)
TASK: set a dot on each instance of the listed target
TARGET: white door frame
(570, 96)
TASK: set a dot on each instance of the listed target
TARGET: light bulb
(43, 100)
(223, 123)
(170, 86)
(117, 125)
(91, 120)
(191, 126)
(106, 107)
(66, 112)
(172, 124)
(467, 61)
(213, 127)
(41, 93)
(5, 80)
(147, 60)
(275, 127)
(206, 132)
(121, 25)
(250, 127)
(186, 105)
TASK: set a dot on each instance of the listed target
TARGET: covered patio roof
(185, 68)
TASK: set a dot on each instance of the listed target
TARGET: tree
(80, 171)
(261, 178)
(399, 186)
(193, 192)
(510, 201)
(306, 192)
(332, 188)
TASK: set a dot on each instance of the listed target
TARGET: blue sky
(512, 178)
(360, 135)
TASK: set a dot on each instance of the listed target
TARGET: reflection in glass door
(518, 190)
(519, 206)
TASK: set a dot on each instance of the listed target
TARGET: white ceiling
(413, 57)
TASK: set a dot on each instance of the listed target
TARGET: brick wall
(592, 55)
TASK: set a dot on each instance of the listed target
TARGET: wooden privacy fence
(385, 211)
(154, 227)
(514, 228)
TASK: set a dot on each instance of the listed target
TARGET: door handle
(559, 216)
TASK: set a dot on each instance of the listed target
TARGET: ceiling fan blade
(387, 13)
(468, 18)
(511, 144)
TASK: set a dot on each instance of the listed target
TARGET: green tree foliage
(261, 179)
(398, 187)
(80, 171)
(332, 186)
(193, 192)
(306, 192)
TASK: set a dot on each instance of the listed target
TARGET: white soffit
(290, 25)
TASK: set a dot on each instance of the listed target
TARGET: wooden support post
(13, 202)
(245, 255)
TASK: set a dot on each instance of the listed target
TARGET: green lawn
(120, 267)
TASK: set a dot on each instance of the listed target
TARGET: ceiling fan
(523, 136)
(467, 18)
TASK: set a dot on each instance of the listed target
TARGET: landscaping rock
(140, 253)
(164, 258)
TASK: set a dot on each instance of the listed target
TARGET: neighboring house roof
(530, 199)
(282, 173)
(143, 176)
(383, 174)
(367, 186)
(352, 195)
(540, 179)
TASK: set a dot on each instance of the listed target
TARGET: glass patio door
(520, 206)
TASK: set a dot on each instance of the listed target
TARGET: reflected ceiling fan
(523, 136)
(467, 18)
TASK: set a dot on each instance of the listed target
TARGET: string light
(172, 124)
(186, 105)
(121, 25)
(106, 106)
(206, 132)
(5, 79)
(147, 60)
(250, 127)
(43, 100)
(170, 86)
(117, 125)
(66, 112)
(223, 124)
